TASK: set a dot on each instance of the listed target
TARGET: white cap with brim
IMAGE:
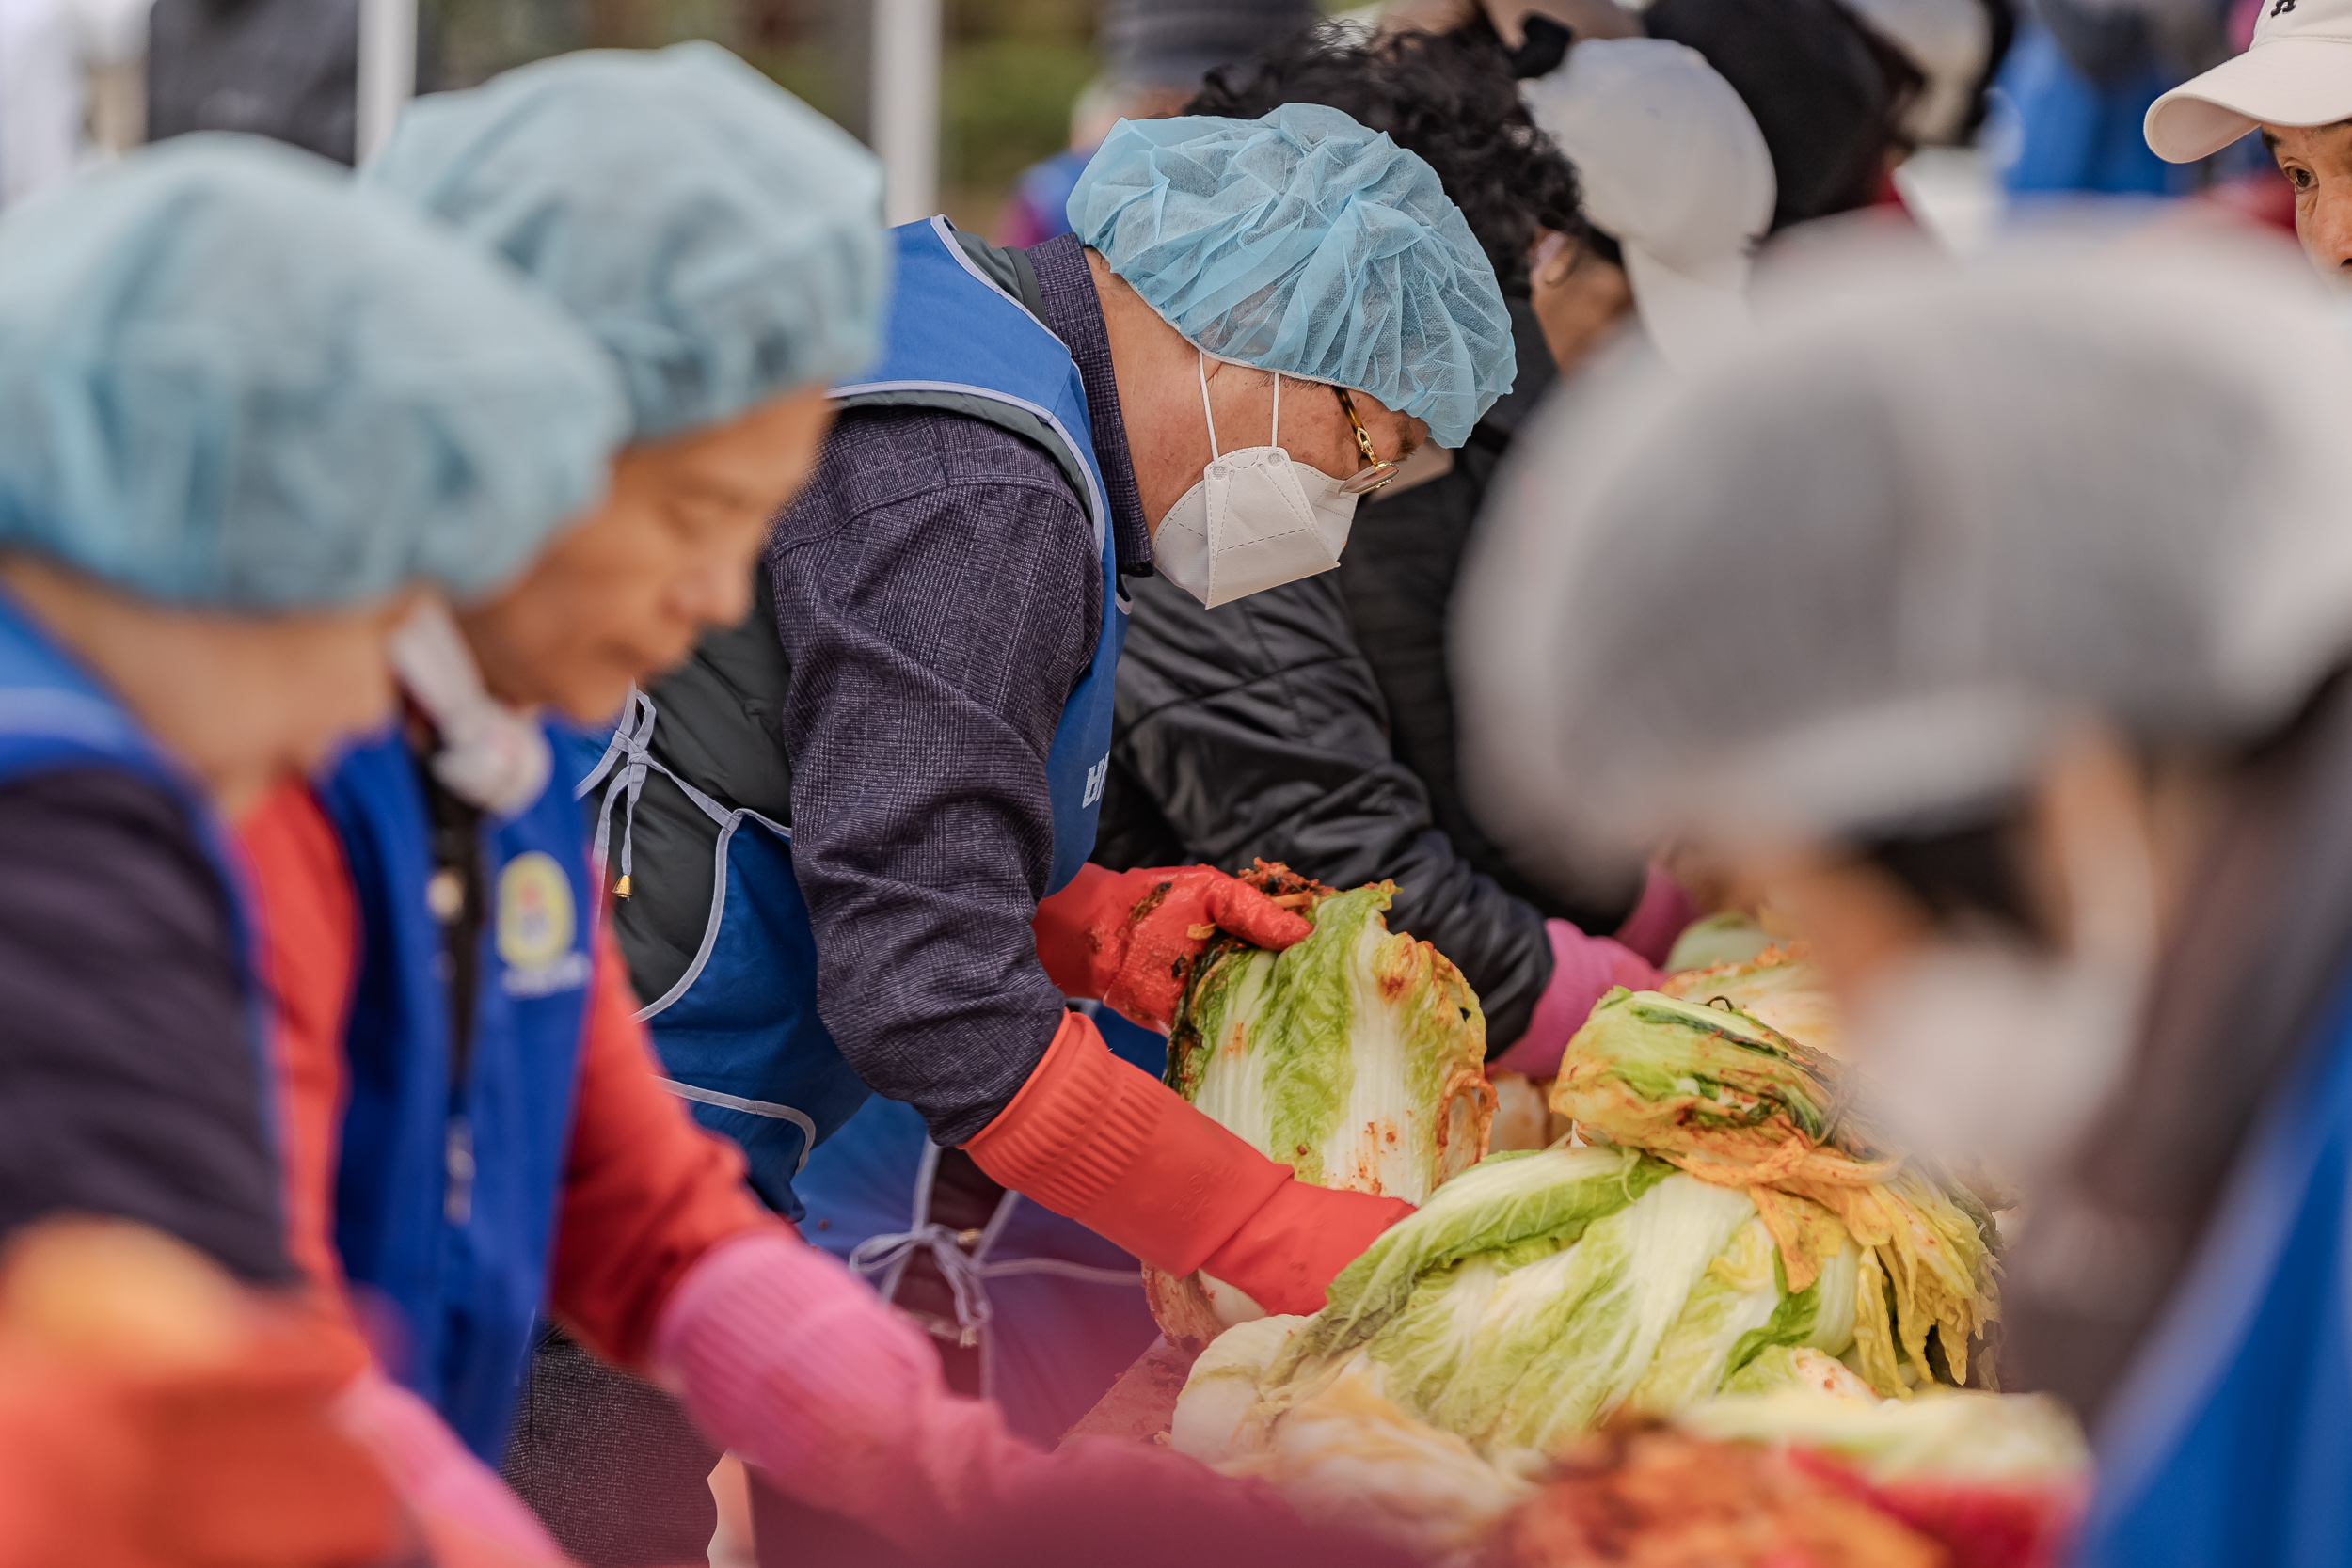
(2297, 71)
(1672, 166)
(1690, 313)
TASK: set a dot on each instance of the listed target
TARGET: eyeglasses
(1377, 472)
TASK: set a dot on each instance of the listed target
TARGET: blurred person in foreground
(2010, 609)
(466, 1076)
(2293, 84)
(244, 412)
(1155, 53)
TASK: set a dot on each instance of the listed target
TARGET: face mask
(1255, 521)
(1985, 1054)
(491, 756)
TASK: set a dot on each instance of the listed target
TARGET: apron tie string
(626, 761)
(878, 1255)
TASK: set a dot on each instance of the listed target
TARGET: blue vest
(447, 1191)
(740, 1031)
(55, 716)
(2230, 1441)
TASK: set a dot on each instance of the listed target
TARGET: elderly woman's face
(626, 593)
(2318, 162)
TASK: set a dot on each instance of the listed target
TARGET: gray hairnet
(1303, 243)
(229, 379)
(1854, 576)
(721, 238)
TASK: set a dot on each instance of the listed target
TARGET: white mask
(1256, 520)
(491, 756)
(1982, 1052)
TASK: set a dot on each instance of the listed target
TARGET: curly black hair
(1449, 97)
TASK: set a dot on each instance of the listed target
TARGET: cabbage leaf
(1357, 1057)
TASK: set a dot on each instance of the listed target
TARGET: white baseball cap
(1673, 168)
(2297, 71)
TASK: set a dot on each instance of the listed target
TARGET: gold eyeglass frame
(1378, 472)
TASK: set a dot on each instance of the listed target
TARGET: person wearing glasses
(1248, 710)
(850, 837)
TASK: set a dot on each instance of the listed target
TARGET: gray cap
(1855, 577)
(720, 238)
(1174, 44)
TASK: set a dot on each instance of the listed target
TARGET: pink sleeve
(1659, 918)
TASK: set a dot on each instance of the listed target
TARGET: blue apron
(55, 716)
(447, 1193)
(739, 1032)
(2231, 1440)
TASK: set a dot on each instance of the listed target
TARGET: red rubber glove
(1129, 939)
(1584, 969)
(1106, 1144)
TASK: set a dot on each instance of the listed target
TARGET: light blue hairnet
(720, 237)
(1302, 243)
(228, 379)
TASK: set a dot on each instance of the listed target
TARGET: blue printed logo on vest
(537, 923)
(1096, 776)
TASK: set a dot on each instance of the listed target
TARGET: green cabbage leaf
(1536, 1294)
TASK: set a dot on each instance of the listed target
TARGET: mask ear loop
(1200, 367)
(1276, 440)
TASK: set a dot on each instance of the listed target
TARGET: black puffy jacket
(1313, 723)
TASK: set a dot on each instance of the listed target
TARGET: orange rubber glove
(1129, 939)
(1106, 1144)
(155, 1414)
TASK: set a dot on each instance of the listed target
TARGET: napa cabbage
(1725, 1097)
(1536, 1294)
(1356, 1057)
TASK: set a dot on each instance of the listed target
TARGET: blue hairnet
(1302, 243)
(720, 237)
(228, 379)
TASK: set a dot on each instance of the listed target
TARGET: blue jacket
(2231, 1440)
